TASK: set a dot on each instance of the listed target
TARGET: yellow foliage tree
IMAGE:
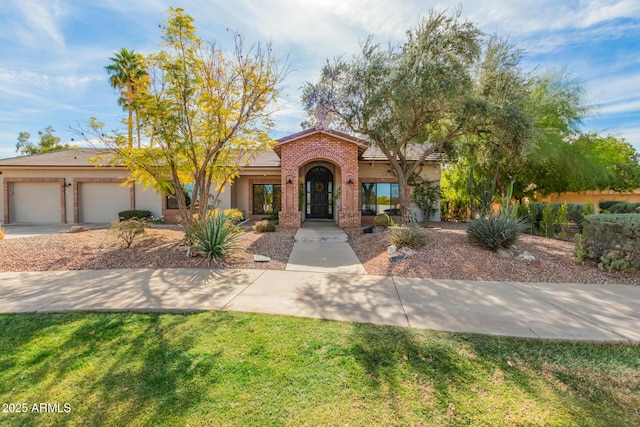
(206, 113)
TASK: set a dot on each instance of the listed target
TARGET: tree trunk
(130, 126)
(403, 191)
(405, 201)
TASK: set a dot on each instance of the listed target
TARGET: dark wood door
(319, 193)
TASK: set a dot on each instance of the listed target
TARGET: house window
(172, 203)
(380, 197)
(267, 198)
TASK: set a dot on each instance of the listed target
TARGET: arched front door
(319, 197)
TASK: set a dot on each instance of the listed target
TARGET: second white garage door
(101, 201)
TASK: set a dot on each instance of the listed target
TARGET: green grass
(223, 368)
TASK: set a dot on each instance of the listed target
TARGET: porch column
(290, 216)
(350, 215)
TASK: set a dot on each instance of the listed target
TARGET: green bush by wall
(612, 240)
(134, 214)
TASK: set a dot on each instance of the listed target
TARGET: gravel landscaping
(447, 255)
(160, 247)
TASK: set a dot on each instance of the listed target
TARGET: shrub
(580, 251)
(606, 204)
(157, 220)
(127, 230)
(273, 217)
(454, 211)
(215, 236)
(562, 220)
(624, 207)
(134, 214)
(381, 220)
(613, 240)
(588, 209)
(425, 195)
(548, 221)
(264, 226)
(496, 231)
(527, 213)
(411, 237)
(575, 214)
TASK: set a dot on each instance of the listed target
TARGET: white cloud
(41, 21)
(614, 89)
(530, 16)
(29, 80)
(621, 107)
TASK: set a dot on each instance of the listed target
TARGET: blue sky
(53, 52)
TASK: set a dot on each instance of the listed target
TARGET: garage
(35, 202)
(100, 202)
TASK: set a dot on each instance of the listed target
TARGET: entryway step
(320, 235)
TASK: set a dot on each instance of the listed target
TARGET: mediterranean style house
(316, 174)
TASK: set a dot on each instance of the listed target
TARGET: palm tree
(127, 74)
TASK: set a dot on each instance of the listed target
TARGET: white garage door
(101, 201)
(35, 202)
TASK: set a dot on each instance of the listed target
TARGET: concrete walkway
(534, 310)
(321, 247)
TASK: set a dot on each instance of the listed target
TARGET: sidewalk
(534, 310)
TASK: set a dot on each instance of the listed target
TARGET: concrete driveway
(14, 231)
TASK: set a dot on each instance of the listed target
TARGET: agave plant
(214, 236)
(411, 237)
(496, 231)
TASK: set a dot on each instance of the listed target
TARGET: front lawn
(225, 368)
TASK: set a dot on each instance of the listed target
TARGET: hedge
(574, 214)
(135, 213)
(619, 206)
(606, 204)
(624, 207)
(613, 240)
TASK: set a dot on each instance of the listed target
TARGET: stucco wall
(243, 188)
(595, 196)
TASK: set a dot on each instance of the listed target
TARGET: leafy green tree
(454, 194)
(583, 162)
(48, 142)
(206, 110)
(128, 75)
(544, 152)
(401, 99)
(503, 128)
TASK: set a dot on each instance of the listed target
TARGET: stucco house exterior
(316, 174)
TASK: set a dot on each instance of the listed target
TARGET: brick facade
(323, 147)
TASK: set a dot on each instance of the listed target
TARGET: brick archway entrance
(325, 146)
